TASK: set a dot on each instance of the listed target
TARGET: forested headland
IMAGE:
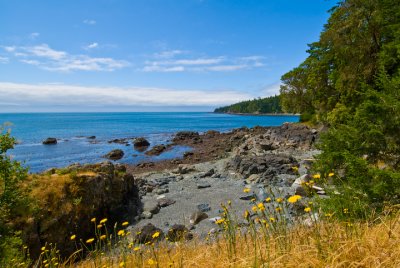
(256, 106)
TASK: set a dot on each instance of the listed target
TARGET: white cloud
(4, 59)
(9, 48)
(168, 54)
(91, 46)
(89, 22)
(61, 94)
(225, 68)
(34, 35)
(179, 61)
(54, 60)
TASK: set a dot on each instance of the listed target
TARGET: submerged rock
(157, 150)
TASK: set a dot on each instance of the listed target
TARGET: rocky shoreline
(180, 195)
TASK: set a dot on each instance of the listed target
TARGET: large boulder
(115, 154)
(49, 141)
(179, 232)
(141, 144)
(145, 234)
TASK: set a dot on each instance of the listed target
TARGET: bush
(13, 202)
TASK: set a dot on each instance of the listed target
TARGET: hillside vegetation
(350, 82)
(256, 106)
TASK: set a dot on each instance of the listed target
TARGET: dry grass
(327, 244)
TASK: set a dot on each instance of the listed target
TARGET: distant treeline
(265, 105)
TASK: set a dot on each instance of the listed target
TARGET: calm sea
(72, 130)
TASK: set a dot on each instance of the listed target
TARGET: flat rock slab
(203, 185)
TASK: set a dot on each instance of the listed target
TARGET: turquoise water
(72, 130)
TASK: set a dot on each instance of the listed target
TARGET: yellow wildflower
(246, 214)
(125, 223)
(261, 206)
(121, 232)
(151, 262)
(294, 198)
(295, 168)
(89, 241)
(345, 210)
(122, 264)
(99, 226)
(278, 209)
(102, 237)
(268, 199)
(136, 248)
(279, 200)
(307, 209)
(253, 200)
(155, 235)
(46, 265)
(43, 248)
(220, 221)
(272, 219)
(316, 176)
(93, 220)
(331, 174)
(254, 208)
(103, 221)
(246, 190)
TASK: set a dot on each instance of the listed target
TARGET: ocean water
(72, 130)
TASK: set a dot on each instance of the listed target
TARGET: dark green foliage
(351, 83)
(265, 105)
(13, 202)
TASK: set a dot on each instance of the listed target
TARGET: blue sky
(149, 55)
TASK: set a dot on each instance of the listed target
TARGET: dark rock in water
(203, 185)
(165, 202)
(115, 154)
(157, 150)
(141, 142)
(197, 217)
(204, 207)
(50, 141)
(145, 234)
(119, 141)
(91, 137)
(179, 232)
(186, 135)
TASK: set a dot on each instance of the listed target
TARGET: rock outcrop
(69, 200)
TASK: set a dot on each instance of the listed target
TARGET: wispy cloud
(180, 61)
(61, 94)
(91, 46)
(33, 36)
(4, 59)
(89, 22)
(50, 59)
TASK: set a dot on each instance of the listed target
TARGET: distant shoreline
(259, 114)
